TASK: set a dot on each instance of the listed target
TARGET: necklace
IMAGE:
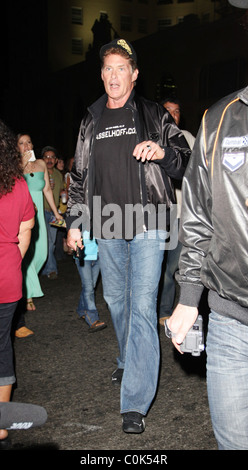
(31, 166)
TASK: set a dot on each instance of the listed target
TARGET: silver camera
(194, 340)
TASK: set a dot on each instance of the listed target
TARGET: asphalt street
(68, 371)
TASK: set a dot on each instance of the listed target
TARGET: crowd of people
(130, 159)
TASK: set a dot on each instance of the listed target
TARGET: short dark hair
(48, 148)
(171, 99)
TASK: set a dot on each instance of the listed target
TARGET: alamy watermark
(109, 222)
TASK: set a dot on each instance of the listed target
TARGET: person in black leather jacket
(128, 150)
(213, 232)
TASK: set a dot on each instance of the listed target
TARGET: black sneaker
(117, 376)
(133, 422)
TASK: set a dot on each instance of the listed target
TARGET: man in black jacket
(127, 152)
(214, 256)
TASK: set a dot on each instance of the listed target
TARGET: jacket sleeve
(196, 228)
(78, 175)
(176, 148)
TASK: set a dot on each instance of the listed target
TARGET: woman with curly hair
(16, 223)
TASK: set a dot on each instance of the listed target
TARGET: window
(76, 15)
(77, 46)
(126, 23)
(164, 23)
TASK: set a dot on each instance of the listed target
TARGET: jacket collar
(97, 108)
(243, 95)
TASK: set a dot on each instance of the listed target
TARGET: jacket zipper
(139, 163)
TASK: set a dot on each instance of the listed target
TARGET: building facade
(73, 25)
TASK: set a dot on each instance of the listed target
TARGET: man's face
(50, 158)
(174, 110)
(118, 79)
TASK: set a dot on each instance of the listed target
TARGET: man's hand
(58, 216)
(148, 150)
(182, 319)
(74, 239)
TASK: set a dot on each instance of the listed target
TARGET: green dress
(37, 251)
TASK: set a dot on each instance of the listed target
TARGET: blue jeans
(7, 370)
(51, 264)
(130, 276)
(88, 272)
(227, 381)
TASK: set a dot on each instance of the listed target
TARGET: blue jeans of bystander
(227, 381)
(130, 274)
(88, 271)
(51, 264)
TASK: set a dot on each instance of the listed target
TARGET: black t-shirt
(116, 172)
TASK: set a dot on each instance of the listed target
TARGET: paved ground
(67, 370)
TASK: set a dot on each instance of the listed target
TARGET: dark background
(199, 62)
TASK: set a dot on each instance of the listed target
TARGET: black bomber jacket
(152, 122)
(214, 217)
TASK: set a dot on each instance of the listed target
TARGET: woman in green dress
(36, 176)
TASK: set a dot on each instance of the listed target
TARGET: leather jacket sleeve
(176, 149)
(78, 193)
(196, 224)
(172, 140)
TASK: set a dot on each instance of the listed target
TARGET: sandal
(30, 305)
(96, 326)
(23, 332)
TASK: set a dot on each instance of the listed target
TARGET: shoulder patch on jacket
(233, 161)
